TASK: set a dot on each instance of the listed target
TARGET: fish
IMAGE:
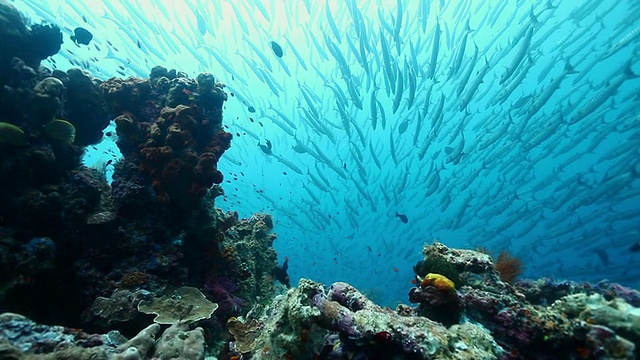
(12, 135)
(466, 99)
(374, 157)
(266, 148)
(602, 254)
(402, 128)
(402, 217)
(412, 85)
(61, 130)
(460, 51)
(398, 92)
(383, 116)
(462, 83)
(517, 59)
(297, 55)
(373, 112)
(386, 57)
(262, 9)
(281, 125)
(202, 25)
(546, 95)
(81, 36)
(332, 23)
(259, 53)
(454, 154)
(277, 49)
(284, 117)
(287, 163)
(603, 95)
(627, 39)
(434, 50)
(280, 273)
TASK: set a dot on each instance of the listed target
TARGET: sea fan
(508, 267)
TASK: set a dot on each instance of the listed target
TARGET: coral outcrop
(31, 43)
(488, 319)
(169, 127)
(340, 322)
(80, 252)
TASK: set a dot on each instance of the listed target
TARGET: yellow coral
(438, 281)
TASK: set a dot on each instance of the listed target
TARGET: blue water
(558, 187)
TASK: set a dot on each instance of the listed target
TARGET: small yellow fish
(61, 130)
(438, 281)
(12, 135)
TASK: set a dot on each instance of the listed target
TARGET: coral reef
(615, 314)
(313, 322)
(21, 338)
(78, 252)
(121, 306)
(486, 318)
(250, 257)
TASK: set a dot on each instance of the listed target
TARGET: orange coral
(229, 253)
(133, 279)
(508, 267)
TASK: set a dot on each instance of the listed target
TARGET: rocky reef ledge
(476, 317)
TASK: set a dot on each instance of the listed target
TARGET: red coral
(178, 163)
(508, 267)
(220, 143)
(177, 149)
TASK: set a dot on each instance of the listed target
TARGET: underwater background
(382, 125)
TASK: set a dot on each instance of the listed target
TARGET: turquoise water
(528, 144)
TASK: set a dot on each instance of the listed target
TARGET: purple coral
(612, 290)
(219, 290)
(335, 315)
(41, 248)
(348, 296)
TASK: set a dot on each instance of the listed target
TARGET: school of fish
(483, 123)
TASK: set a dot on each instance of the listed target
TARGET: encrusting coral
(186, 304)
